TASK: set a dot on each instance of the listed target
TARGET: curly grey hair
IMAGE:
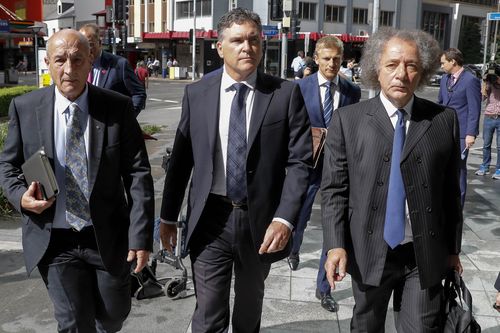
(237, 16)
(428, 49)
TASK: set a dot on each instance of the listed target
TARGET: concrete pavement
(289, 304)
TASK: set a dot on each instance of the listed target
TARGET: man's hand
(469, 140)
(498, 301)
(32, 199)
(276, 238)
(455, 264)
(168, 236)
(335, 266)
(142, 259)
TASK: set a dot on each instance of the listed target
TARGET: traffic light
(125, 10)
(118, 10)
(276, 10)
(294, 25)
(123, 35)
(191, 35)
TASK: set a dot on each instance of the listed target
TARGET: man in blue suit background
(461, 90)
(113, 72)
(323, 92)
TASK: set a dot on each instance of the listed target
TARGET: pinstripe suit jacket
(355, 183)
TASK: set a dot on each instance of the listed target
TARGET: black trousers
(415, 310)
(221, 243)
(86, 297)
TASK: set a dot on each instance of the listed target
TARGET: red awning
(100, 13)
(212, 34)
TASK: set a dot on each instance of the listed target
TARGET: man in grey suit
(390, 191)
(246, 138)
(82, 240)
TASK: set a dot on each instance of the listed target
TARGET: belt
(492, 116)
(227, 201)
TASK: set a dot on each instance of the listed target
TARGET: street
(289, 304)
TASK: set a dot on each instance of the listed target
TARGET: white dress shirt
(393, 116)
(61, 117)
(322, 81)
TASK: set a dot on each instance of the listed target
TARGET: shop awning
(212, 34)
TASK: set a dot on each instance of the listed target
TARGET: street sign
(270, 30)
(494, 16)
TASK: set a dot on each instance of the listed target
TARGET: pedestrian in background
(324, 92)
(297, 65)
(390, 191)
(245, 137)
(142, 73)
(113, 72)
(83, 240)
(491, 122)
(461, 91)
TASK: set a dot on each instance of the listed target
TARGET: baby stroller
(176, 286)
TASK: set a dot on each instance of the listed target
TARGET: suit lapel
(419, 124)
(96, 136)
(343, 92)
(210, 110)
(261, 102)
(45, 120)
(103, 70)
(381, 120)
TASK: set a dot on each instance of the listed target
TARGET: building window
(307, 11)
(151, 1)
(232, 4)
(131, 2)
(184, 9)
(131, 29)
(334, 14)
(435, 24)
(386, 18)
(151, 26)
(360, 16)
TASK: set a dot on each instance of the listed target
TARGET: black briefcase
(145, 285)
(458, 316)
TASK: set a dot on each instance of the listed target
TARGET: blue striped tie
(394, 227)
(77, 184)
(328, 104)
(236, 183)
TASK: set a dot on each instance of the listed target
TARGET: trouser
(221, 243)
(415, 310)
(490, 125)
(85, 296)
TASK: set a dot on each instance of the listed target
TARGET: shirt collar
(62, 103)
(97, 60)
(391, 109)
(322, 80)
(227, 81)
(457, 73)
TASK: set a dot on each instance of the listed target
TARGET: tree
(469, 42)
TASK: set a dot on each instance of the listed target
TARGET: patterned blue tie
(236, 183)
(328, 104)
(394, 227)
(77, 184)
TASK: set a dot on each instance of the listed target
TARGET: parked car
(436, 78)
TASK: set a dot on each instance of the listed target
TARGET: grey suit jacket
(278, 157)
(355, 184)
(117, 163)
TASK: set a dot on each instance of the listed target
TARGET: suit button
(250, 172)
(386, 158)
(424, 184)
(432, 233)
(374, 207)
(419, 160)
(380, 183)
(428, 209)
(370, 231)
(414, 212)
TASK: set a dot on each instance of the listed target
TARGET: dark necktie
(236, 183)
(394, 227)
(451, 81)
(77, 185)
(328, 104)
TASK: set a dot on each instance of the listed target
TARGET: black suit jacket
(355, 184)
(497, 282)
(117, 75)
(279, 154)
(117, 162)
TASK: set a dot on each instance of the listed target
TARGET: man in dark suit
(113, 72)
(390, 195)
(82, 240)
(497, 287)
(461, 90)
(245, 136)
(324, 92)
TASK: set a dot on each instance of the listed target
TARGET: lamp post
(36, 29)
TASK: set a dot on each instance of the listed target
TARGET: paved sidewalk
(290, 304)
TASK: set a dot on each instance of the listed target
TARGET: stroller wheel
(171, 287)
